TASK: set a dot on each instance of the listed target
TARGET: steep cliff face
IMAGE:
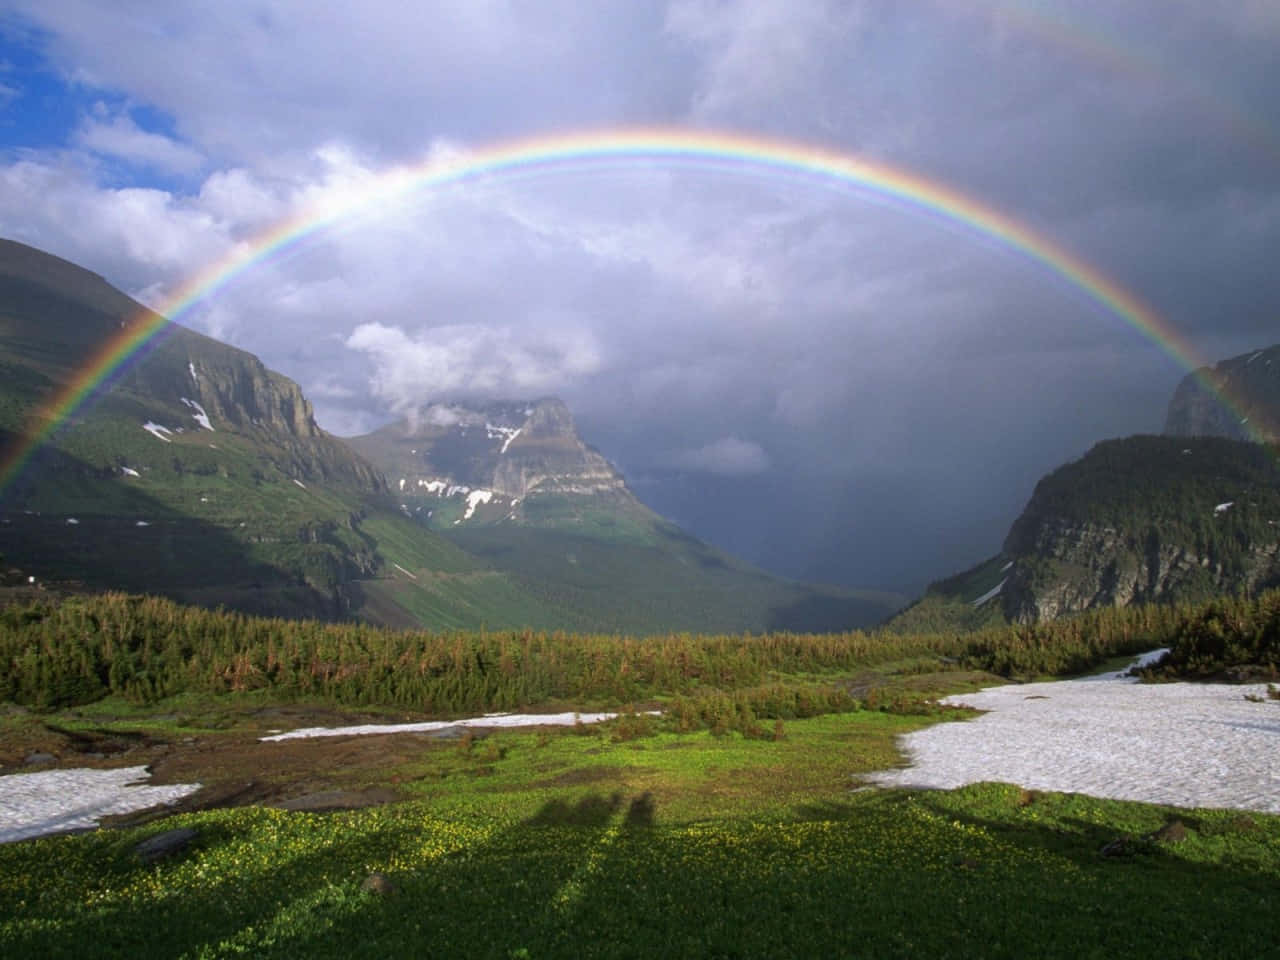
(1251, 385)
(237, 392)
(1145, 519)
(547, 456)
(55, 318)
(494, 459)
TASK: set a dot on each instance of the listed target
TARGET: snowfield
(1183, 744)
(157, 430)
(488, 720)
(53, 801)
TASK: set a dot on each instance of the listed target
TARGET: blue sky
(822, 382)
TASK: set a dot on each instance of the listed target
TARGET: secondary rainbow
(723, 152)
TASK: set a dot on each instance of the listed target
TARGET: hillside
(199, 474)
(202, 475)
(1139, 520)
(1251, 380)
(514, 484)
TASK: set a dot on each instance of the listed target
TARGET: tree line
(58, 653)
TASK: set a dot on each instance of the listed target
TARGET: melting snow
(199, 416)
(299, 483)
(192, 367)
(404, 571)
(1253, 358)
(1223, 507)
(456, 489)
(1183, 744)
(488, 720)
(73, 521)
(474, 499)
(130, 471)
(142, 523)
(993, 592)
(156, 430)
(433, 486)
(33, 804)
(1006, 566)
(509, 433)
(402, 483)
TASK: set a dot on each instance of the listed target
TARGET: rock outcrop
(1146, 519)
(495, 457)
(1238, 398)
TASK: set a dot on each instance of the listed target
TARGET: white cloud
(132, 234)
(238, 196)
(119, 136)
(728, 456)
(467, 360)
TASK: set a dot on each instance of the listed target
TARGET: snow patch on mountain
(474, 499)
(199, 416)
(493, 432)
(991, 594)
(157, 430)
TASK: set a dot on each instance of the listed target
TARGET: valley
(197, 575)
(717, 479)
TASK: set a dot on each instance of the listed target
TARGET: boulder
(378, 883)
(166, 844)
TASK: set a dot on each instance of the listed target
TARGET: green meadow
(735, 825)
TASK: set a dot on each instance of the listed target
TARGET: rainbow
(731, 152)
(1092, 41)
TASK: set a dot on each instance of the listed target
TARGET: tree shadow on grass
(892, 874)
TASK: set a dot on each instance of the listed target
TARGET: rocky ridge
(492, 459)
(1142, 520)
(1251, 381)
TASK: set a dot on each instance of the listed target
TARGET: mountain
(1140, 520)
(197, 473)
(1251, 380)
(202, 475)
(522, 462)
(514, 484)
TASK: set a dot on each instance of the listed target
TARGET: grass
(980, 872)
(590, 843)
(634, 839)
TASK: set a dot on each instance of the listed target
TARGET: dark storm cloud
(835, 386)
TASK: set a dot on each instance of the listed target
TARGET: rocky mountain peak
(1250, 381)
(504, 451)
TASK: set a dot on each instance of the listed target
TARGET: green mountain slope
(1138, 520)
(515, 485)
(202, 475)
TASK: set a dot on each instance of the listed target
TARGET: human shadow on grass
(518, 891)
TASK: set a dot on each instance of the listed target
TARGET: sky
(830, 384)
